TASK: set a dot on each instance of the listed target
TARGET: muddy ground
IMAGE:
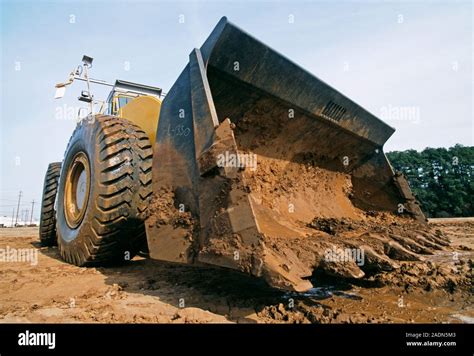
(144, 291)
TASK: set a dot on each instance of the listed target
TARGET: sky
(409, 63)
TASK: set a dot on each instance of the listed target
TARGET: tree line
(442, 179)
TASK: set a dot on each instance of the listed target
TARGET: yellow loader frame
(142, 110)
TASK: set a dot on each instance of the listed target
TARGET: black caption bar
(89, 339)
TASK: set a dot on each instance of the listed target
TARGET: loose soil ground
(436, 290)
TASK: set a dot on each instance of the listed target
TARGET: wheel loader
(233, 168)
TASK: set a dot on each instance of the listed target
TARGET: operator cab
(123, 92)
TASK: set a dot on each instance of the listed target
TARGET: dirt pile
(305, 205)
(391, 254)
(457, 276)
(298, 192)
(315, 313)
(161, 211)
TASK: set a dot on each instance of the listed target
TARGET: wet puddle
(323, 293)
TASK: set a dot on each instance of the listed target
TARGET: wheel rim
(76, 190)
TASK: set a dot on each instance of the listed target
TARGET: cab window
(123, 100)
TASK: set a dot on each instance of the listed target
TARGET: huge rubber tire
(47, 230)
(101, 206)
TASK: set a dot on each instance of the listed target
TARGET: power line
(18, 208)
(32, 206)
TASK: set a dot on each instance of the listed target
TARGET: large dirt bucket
(250, 149)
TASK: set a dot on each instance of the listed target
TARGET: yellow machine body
(143, 111)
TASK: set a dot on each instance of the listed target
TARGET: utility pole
(32, 206)
(18, 208)
(13, 216)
